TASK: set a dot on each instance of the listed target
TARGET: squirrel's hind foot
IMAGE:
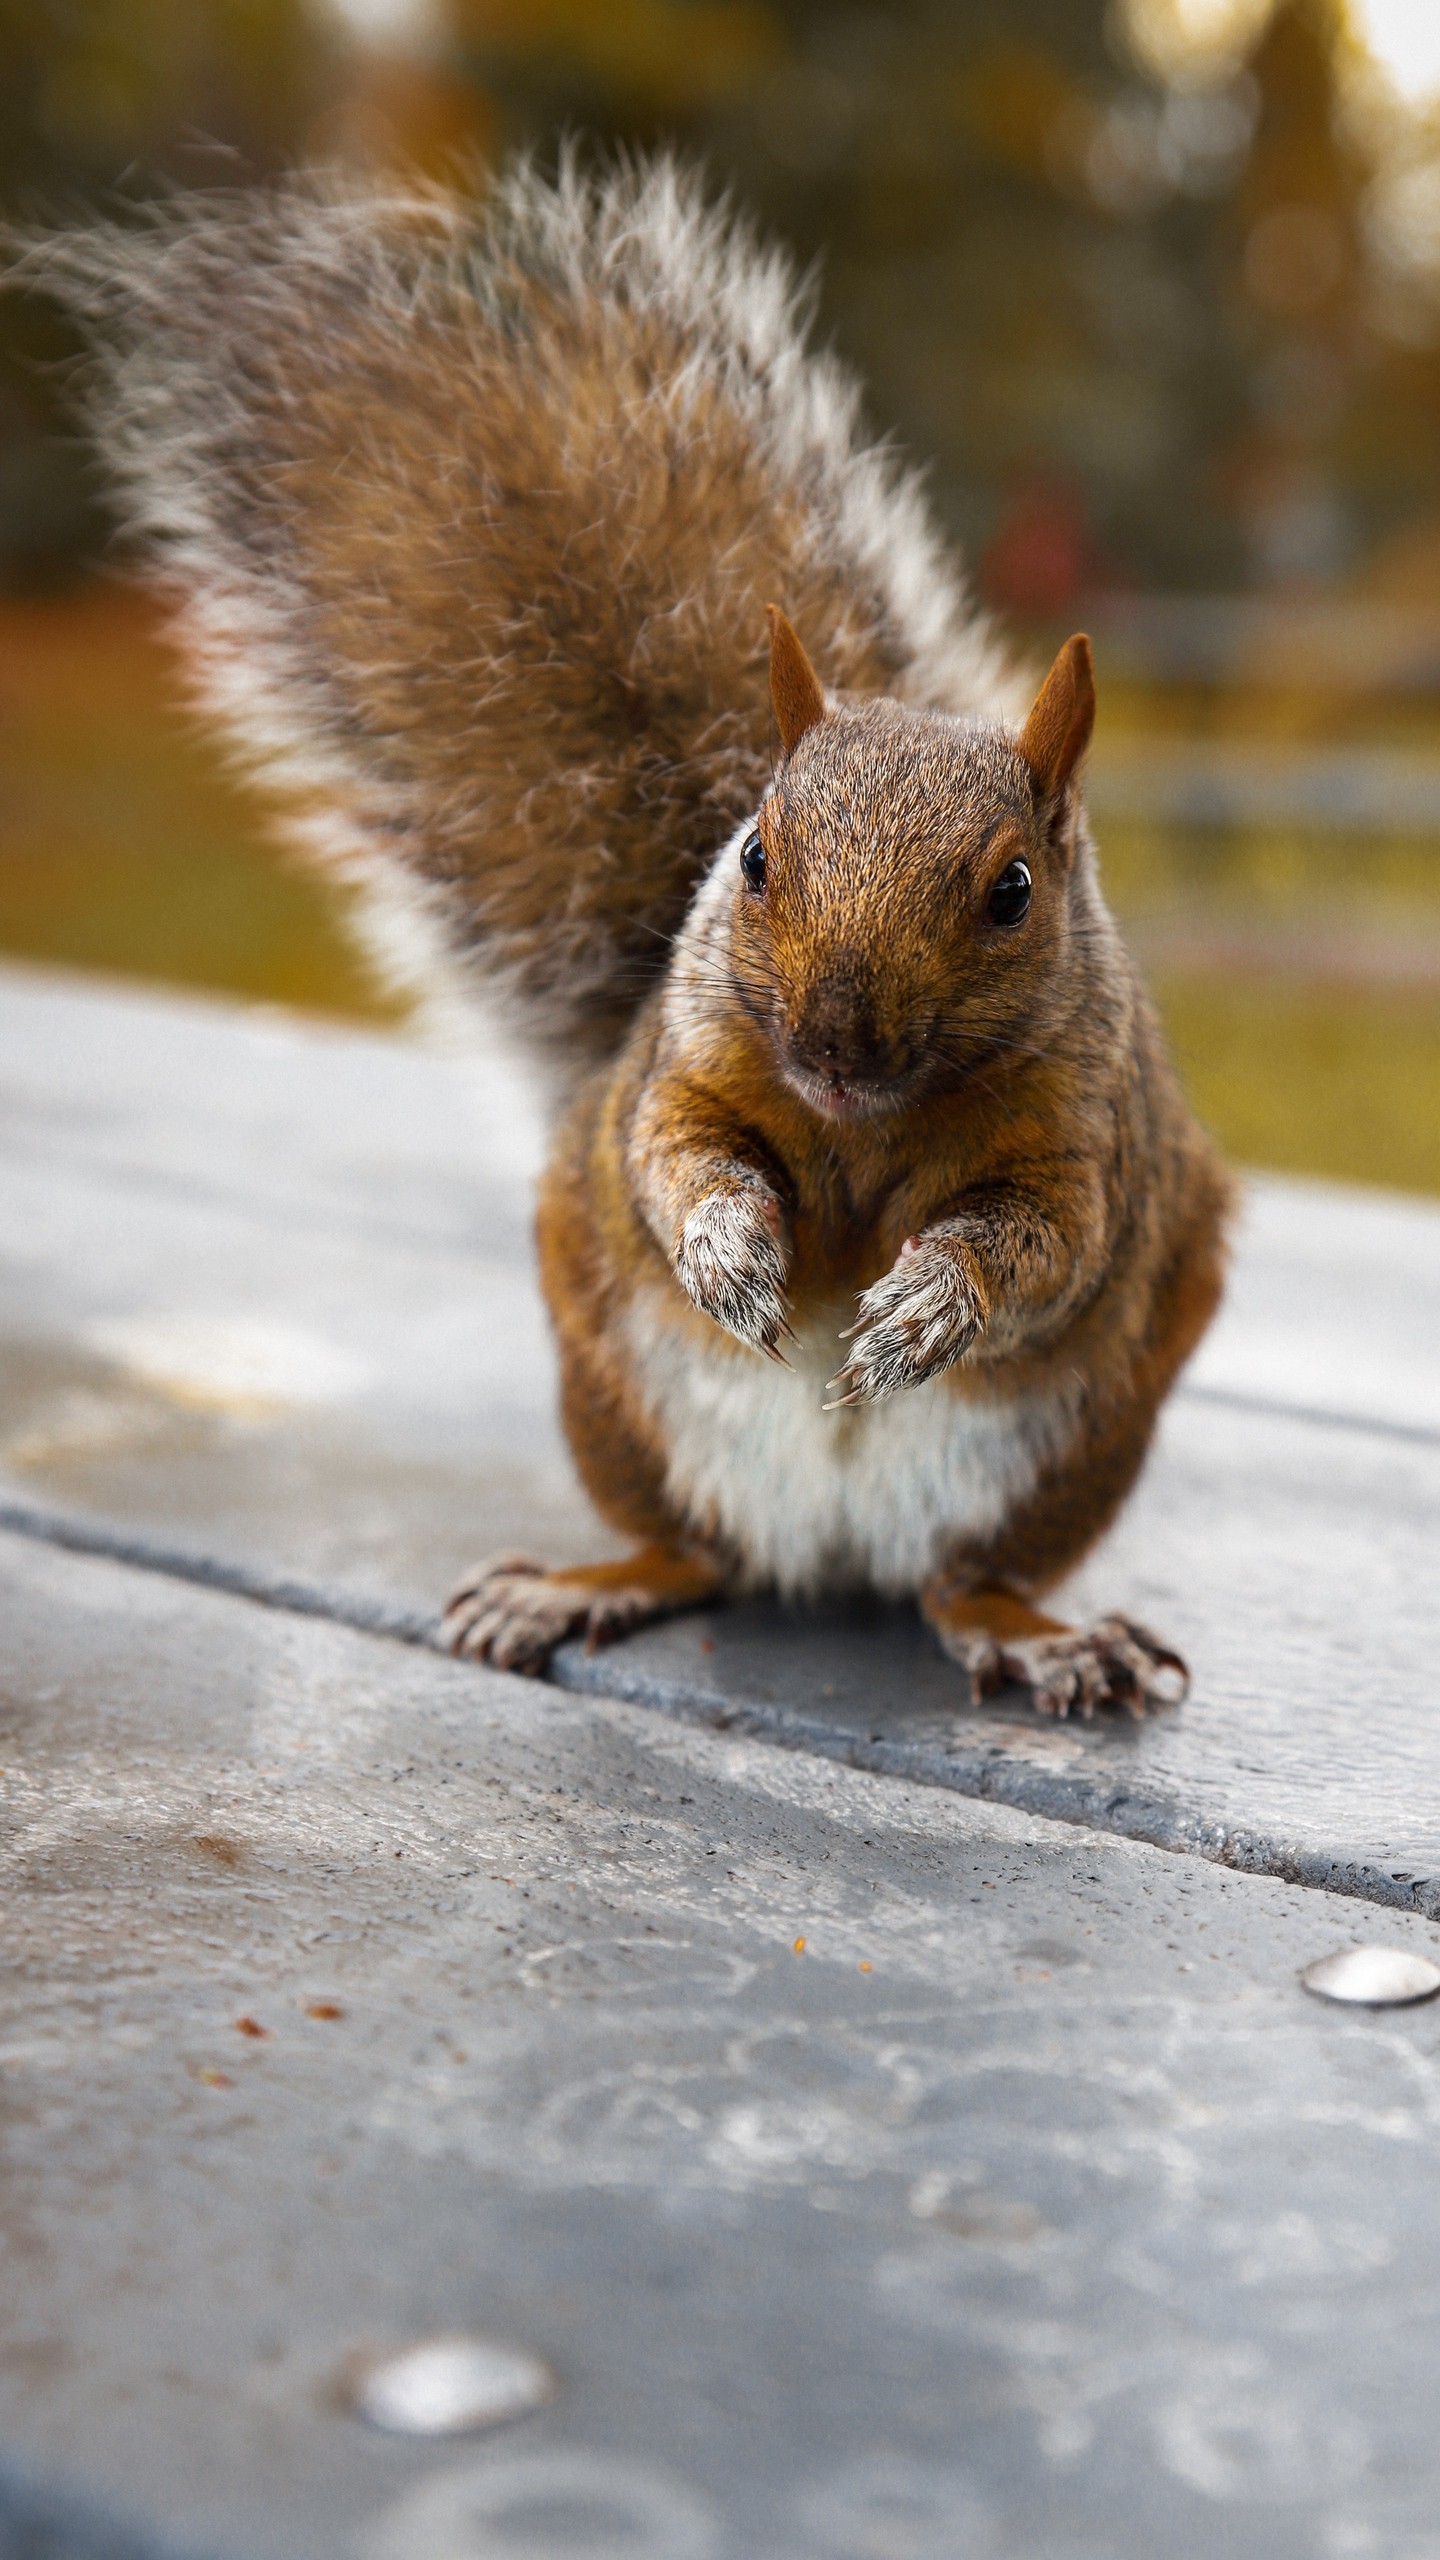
(513, 1613)
(1115, 1663)
(998, 1640)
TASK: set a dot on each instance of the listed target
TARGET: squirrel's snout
(834, 1033)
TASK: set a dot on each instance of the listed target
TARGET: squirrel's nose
(835, 1034)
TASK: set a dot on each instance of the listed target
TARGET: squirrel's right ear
(794, 685)
(1057, 732)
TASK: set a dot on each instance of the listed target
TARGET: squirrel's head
(902, 903)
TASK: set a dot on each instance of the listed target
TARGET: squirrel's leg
(997, 1638)
(708, 1196)
(993, 1274)
(512, 1612)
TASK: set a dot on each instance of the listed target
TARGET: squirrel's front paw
(730, 1260)
(919, 1320)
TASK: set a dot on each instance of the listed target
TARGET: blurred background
(1152, 285)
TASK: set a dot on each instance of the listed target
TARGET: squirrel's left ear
(794, 685)
(1057, 732)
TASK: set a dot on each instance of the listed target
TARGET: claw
(479, 1575)
(729, 1261)
(1115, 1663)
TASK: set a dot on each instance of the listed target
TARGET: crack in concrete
(986, 1767)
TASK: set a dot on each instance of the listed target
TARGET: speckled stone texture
(1030, 2209)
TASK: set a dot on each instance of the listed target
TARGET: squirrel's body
(471, 520)
(1003, 1469)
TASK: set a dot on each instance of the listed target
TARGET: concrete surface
(266, 1299)
(1030, 2209)
(1071, 2229)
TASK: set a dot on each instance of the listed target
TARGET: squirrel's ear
(1057, 732)
(794, 685)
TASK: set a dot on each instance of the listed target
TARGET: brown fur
(472, 519)
(1037, 1126)
(794, 686)
(471, 513)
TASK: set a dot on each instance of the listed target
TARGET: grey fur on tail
(470, 512)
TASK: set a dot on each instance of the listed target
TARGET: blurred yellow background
(1154, 287)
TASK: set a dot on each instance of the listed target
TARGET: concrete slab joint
(444, 2116)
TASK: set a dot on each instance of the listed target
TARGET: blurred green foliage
(1336, 1080)
(1049, 351)
(123, 843)
(102, 102)
(94, 88)
(1138, 331)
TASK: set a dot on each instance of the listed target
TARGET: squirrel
(531, 556)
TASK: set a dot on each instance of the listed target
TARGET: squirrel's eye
(1010, 897)
(752, 862)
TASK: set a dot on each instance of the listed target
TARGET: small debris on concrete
(1373, 1977)
(251, 2027)
(799, 1948)
(226, 1853)
(447, 2386)
(324, 2009)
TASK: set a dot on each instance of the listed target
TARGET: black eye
(752, 861)
(1010, 897)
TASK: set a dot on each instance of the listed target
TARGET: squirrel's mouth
(837, 1097)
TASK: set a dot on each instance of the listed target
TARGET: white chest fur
(813, 1501)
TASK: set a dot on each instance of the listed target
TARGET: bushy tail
(472, 512)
